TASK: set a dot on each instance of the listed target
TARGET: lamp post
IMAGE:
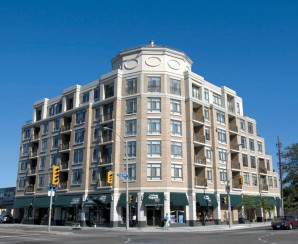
(126, 155)
(228, 188)
(279, 145)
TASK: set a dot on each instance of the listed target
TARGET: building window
(175, 87)
(175, 106)
(153, 126)
(222, 175)
(220, 117)
(42, 162)
(55, 142)
(207, 133)
(85, 97)
(131, 149)
(24, 166)
(268, 164)
(253, 162)
(54, 158)
(216, 99)
(22, 183)
(131, 106)
(246, 179)
(222, 155)
(97, 113)
(131, 171)
(131, 127)
(153, 84)
(26, 134)
(275, 182)
(254, 180)
(242, 125)
(56, 124)
(176, 172)
(79, 136)
(196, 92)
(78, 156)
(176, 149)
(238, 108)
(260, 149)
(209, 175)
(244, 160)
(206, 114)
(25, 149)
(45, 128)
(96, 94)
(77, 176)
(251, 145)
(243, 142)
(80, 117)
(96, 133)
(95, 154)
(153, 105)
(176, 127)
(221, 134)
(109, 90)
(206, 95)
(270, 182)
(250, 128)
(153, 171)
(94, 178)
(44, 144)
(153, 148)
(131, 86)
(208, 154)
(40, 180)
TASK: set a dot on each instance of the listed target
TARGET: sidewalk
(70, 230)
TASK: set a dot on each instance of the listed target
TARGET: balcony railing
(65, 128)
(32, 171)
(63, 185)
(200, 159)
(64, 146)
(30, 188)
(33, 154)
(235, 184)
(235, 165)
(106, 117)
(200, 181)
(105, 159)
(103, 183)
(264, 187)
(64, 165)
(233, 128)
(234, 147)
(199, 138)
(262, 170)
(106, 138)
(35, 137)
(198, 117)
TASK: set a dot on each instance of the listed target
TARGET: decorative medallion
(131, 64)
(173, 64)
(153, 61)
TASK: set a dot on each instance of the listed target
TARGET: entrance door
(153, 216)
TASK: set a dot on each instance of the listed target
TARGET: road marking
(128, 239)
(3, 237)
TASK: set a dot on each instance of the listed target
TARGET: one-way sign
(123, 175)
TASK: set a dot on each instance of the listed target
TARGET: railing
(106, 117)
(65, 128)
(233, 128)
(106, 138)
(199, 138)
(33, 154)
(235, 184)
(234, 147)
(200, 159)
(264, 187)
(35, 137)
(102, 183)
(200, 181)
(105, 159)
(198, 117)
(235, 165)
(262, 170)
(64, 146)
(30, 188)
(64, 165)
(32, 171)
(63, 185)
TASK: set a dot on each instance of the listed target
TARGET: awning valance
(22, 202)
(236, 200)
(68, 200)
(178, 199)
(153, 198)
(122, 199)
(41, 202)
(206, 199)
(95, 199)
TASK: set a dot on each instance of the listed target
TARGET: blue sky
(248, 46)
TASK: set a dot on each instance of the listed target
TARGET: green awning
(236, 200)
(68, 200)
(22, 202)
(271, 200)
(41, 202)
(95, 199)
(202, 199)
(122, 199)
(153, 198)
(278, 201)
(178, 199)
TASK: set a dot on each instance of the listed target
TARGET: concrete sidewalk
(70, 230)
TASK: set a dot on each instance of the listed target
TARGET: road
(242, 236)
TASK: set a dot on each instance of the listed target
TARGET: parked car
(6, 219)
(285, 222)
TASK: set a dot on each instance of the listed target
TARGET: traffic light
(224, 200)
(110, 177)
(240, 180)
(55, 175)
(130, 197)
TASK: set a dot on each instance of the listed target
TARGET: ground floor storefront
(108, 209)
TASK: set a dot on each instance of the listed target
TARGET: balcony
(33, 154)
(106, 138)
(200, 159)
(30, 189)
(233, 128)
(65, 128)
(198, 117)
(64, 146)
(63, 185)
(103, 183)
(199, 138)
(235, 165)
(200, 181)
(105, 159)
(64, 165)
(262, 170)
(106, 117)
(264, 187)
(235, 184)
(32, 171)
(35, 137)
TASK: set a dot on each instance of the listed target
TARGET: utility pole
(279, 145)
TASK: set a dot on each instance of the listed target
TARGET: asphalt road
(242, 236)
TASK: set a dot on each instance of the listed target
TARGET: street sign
(49, 193)
(206, 197)
(123, 175)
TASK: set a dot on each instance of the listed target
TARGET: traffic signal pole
(50, 211)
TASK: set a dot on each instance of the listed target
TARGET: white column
(216, 210)
(167, 203)
(141, 208)
(191, 210)
(115, 214)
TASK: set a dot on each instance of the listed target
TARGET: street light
(228, 188)
(279, 145)
(126, 155)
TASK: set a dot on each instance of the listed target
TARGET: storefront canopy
(22, 202)
(178, 199)
(206, 199)
(68, 200)
(122, 199)
(41, 202)
(236, 200)
(95, 199)
(153, 198)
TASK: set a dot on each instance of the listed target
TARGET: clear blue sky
(249, 46)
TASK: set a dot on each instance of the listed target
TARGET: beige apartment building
(184, 136)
